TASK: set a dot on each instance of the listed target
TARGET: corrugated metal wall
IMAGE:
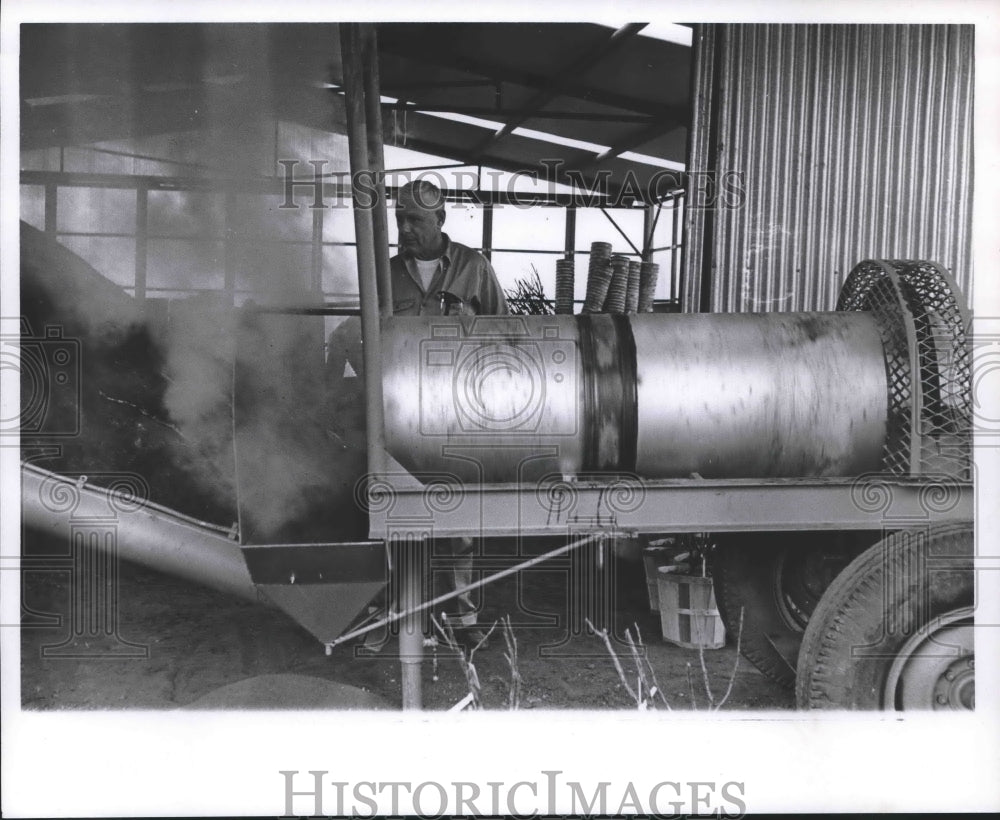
(853, 141)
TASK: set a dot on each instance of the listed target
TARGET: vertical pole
(488, 230)
(316, 282)
(695, 282)
(570, 245)
(141, 242)
(229, 247)
(410, 575)
(350, 46)
(708, 239)
(677, 248)
(570, 232)
(376, 161)
(647, 232)
(410, 553)
(51, 208)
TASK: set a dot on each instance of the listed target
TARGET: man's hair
(423, 193)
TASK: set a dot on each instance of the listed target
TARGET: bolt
(972, 663)
(942, 700)
(949, 675)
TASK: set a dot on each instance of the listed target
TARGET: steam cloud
(289, 471)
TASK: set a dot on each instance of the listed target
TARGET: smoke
(296, 481)
(198, 399)
(277, 400)
(236, 244)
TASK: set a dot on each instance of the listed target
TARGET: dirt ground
(196, 647)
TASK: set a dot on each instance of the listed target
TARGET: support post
(677, 249)
(316, 274)
(648, 223)
(373, 309)
(141, 242)
(570, 232)
(229, 247)
(371, 328)
(488, 230)
(51, 208)
(376, 162)
(410, 560)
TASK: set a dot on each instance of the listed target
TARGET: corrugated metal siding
(854, 142)
(698, 158)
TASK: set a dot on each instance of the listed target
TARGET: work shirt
(463, 272)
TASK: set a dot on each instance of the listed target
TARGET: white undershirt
(427, 268)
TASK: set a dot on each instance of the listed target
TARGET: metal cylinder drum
(502, 399)
(759, 395)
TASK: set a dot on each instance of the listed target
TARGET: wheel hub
(956, 688)
(935, 669)
(801, 575)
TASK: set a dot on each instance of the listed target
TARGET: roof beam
(504, 74)
(562, 81)
(542, 172)
(437, 85)
(669, 121)
(485, 111)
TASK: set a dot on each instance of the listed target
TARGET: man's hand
(451, 305)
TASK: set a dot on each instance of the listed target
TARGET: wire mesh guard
(923, 323)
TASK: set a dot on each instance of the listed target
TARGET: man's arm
(492, 300)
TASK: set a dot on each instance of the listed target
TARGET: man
(430, 264)
(432, 275)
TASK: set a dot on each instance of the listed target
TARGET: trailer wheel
(894, 631)
(776, 580)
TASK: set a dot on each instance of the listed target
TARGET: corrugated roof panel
(660, 72)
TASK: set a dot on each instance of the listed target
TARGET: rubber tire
(744, 567)
(855, 607)
(743, 571)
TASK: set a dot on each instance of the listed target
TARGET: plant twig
(655, 689)
(694, 700)
(704, 677)
(642, 685)
(603, 634)
(712, 704)
(514, 695)
(528, 296)
(468, 667)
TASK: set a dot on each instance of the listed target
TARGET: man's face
(419, 228)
